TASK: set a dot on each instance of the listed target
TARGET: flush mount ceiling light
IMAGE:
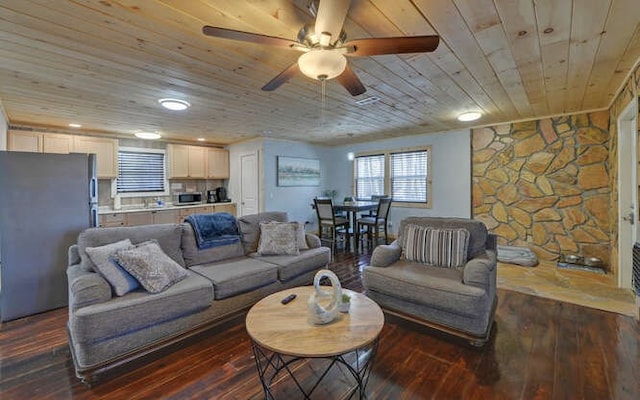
(200, 139)
(74, 125)
(147, 135)
(322, 64)
(174, 104)
(469, 116)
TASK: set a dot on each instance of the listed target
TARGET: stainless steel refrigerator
(46, 200)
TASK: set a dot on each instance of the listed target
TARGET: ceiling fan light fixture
(174, 104)
(322, 64)
(469, 116)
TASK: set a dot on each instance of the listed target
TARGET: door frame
(627, 127)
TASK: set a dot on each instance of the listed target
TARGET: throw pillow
(155, 270)
(437, 247)
(120, 280)
(301, 237)
(278, 238)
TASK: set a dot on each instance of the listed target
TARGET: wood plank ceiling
(105, 64)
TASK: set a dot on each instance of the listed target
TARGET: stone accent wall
(545, 184)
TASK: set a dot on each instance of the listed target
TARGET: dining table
(352, 208)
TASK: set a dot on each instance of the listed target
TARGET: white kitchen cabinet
(217, 163)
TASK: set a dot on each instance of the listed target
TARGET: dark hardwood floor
(541, 349)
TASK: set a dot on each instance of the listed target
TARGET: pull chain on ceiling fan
(325, 47)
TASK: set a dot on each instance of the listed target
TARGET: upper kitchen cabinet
(57, 143)
(38, 142)
(186, 161)
(217, 163)
(106, 151)
(25, 141)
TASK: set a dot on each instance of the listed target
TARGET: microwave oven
(184, 199)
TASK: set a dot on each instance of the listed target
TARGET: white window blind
(369, 175)
(409, 176)
(140, 172)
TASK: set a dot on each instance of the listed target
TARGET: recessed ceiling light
(469, 116)
(147, 135)
(200, 139)
(174, 104)
(73, 125)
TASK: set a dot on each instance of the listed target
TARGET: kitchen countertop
(141, 208)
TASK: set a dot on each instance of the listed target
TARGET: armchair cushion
(436, 247)
(386, 254)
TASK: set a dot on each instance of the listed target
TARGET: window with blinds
(141, 171)
(369, 175)
(409, 176)
(402, 174)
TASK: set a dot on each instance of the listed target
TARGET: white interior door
(628, 226)
(249, 184)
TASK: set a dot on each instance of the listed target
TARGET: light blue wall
(295, 200)
(451, 172)
(451, 169)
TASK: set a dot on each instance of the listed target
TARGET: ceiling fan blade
(248, 37)
(393, 45)
(351, 82)
(330, 18)
(284, 76)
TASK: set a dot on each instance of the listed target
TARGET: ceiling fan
(324, 46)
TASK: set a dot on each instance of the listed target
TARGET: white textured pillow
(301, 237)
(437, 247)
(155, 270)
(278, 238)
(120, 280)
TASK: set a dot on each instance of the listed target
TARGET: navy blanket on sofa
(213, 230)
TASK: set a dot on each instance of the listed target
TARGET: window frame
(387, 173)
(114, 182)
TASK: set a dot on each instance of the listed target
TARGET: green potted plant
(345, 303)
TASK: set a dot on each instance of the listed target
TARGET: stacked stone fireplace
(545, 184)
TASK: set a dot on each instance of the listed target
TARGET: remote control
(288, 299)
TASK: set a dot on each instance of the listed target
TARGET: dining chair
(375, 197)
(328, 222)
(371, 225)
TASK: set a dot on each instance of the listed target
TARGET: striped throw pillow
(437, 247)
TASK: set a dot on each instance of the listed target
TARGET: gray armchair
(458, 300)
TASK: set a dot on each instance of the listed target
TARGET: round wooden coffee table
(285, 343)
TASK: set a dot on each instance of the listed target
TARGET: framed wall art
(293, 171)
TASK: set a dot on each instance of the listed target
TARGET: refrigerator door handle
(93, 190)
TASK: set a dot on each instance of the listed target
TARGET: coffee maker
(211, 196)
(221, 194)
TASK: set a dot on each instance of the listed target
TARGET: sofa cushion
(150, 266)
(250, 227)
(194, 256)
(278, 238)
(436, 247)
(440, 288)
(477, 231)
(140, 309)
(169, 236)
(290, 267)
(120, 280)
(237, 276)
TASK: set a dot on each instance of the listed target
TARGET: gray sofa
(460, 301)
(106, 330)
